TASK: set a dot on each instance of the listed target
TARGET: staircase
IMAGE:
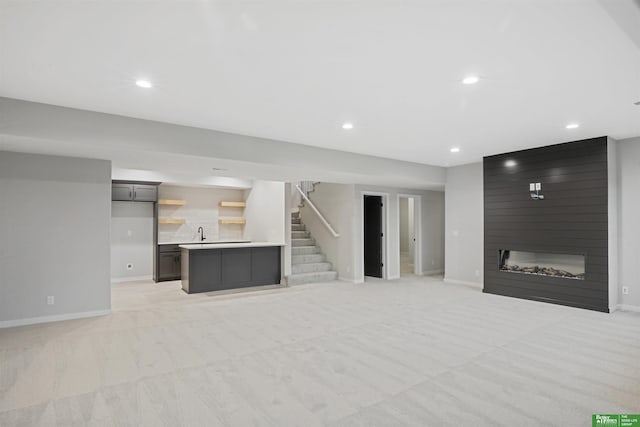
(307, 187)
(308, 264)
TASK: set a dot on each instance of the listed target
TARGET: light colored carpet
(385, 353)
(406, 264)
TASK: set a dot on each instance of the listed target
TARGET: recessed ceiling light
(347, 126)
(572, 126)
(455, 150)
(510, 163)
(144, 83)
(470, 80)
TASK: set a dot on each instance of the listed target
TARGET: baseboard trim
(432, 272)
(465, 283)
(627, 307)
(54, 318)
(131, 279)
(393, 278)
(341, 279)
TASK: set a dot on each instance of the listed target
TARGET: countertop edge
(198, 246)
(213, 242)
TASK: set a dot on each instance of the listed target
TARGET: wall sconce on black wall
(534, 191)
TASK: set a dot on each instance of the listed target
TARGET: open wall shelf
(233, 204)
(171, 221)
(172, 202)
(240, 221)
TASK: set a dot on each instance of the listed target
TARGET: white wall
(265, 212)
(41, 127)
(432, 248)
(342, 206)
(336, 203)
(404, 224)
(411, 226)
(55, 215)
(464, 224)
(295, 199)
(201, 210)
(433, 232)
(131, 240)
(286, 250)
(628, 179)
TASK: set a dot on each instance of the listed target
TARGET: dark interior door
(373, 236)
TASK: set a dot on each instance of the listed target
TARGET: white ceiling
(296, 70)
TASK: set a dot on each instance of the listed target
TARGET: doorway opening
(374, 219)
(409, 225)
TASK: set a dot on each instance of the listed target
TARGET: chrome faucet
(201, 233)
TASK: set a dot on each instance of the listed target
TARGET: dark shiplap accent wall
(572, 219)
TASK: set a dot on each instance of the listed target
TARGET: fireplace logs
(542, 271)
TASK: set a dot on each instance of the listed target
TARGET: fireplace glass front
(542, 264)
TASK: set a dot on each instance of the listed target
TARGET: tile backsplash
(200, 210)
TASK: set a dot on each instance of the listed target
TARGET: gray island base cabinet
(215, 269)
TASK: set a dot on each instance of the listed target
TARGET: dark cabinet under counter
(207, 269)
(168, 264)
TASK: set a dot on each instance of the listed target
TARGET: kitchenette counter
(221, 266)
(221, 245)
(211, 242)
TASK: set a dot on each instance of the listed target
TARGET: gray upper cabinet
(122, 192)
(134, 192)
(145, 193)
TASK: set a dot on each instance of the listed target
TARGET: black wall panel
(572, 219)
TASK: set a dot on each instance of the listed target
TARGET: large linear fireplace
(542, 264)
(547, 228)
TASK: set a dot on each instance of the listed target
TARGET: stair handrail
(324, 221)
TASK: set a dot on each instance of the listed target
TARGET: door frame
(417, 231)
(385, 231)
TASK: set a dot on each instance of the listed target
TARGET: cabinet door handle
(129, 193)
(134, 194)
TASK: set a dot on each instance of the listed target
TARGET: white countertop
(213, 242)
(230, 245)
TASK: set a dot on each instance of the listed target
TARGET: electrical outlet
(51, 300)
(129, 266)
(625, 290)
(477, 273)
(129, 233)
(433, 262)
